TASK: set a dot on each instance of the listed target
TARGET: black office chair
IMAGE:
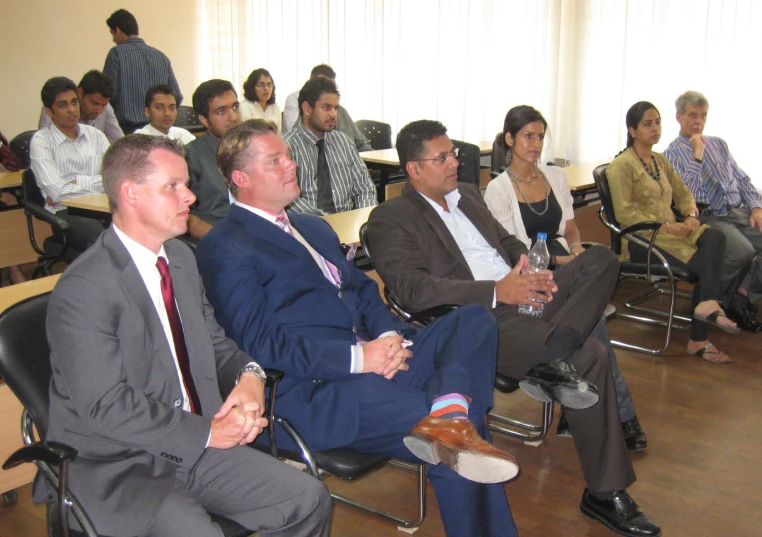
(188, 120)
(532, 434)
(656, 272)
(379, 134)
(499, 160)
(54, 248)
(25, 366)
(469, 159)
(20, 147)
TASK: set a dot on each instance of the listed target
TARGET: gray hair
(127, 159)
(693, 97)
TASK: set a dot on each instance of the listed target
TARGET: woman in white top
(527, 199)
(259, 98)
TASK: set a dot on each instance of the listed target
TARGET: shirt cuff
(357, 360)
(389, 333)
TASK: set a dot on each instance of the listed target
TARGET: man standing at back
(135, 67)
(735, 207)
(216, 103)
(95, 91)
(332, 176)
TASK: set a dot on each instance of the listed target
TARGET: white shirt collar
(451, 200)
(142, 256)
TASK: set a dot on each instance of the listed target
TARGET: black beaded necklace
(656, 176)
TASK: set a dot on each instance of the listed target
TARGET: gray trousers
(743, 244)
(245, 485)
(623, 397)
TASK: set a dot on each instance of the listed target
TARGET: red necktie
(177, 334)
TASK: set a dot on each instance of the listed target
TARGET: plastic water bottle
(539, 258)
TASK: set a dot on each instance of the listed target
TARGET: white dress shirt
(105, 122)
(175, 133)
(253, 110)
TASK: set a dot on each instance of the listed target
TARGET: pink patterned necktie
(335, 278)
(282, 222)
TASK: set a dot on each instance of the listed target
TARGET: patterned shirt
(717, 180)
(351, 185)
(66, 168)
(135, 67)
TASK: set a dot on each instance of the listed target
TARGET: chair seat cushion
(630, 267)
(342, 463)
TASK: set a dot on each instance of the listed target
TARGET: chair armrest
(50, 452)
(273, 377)
(641, 226)
(47, 216)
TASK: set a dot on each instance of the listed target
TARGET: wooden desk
(581, 182)
(10, 180)
(485, 147)
(94, 203)
(10, 407)
(347, 224)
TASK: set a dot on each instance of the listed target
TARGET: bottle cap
(543, 236)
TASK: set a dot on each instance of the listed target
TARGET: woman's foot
(709, 311)
(707, 351)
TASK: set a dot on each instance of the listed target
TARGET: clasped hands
(520, 287)
(386, 356)
(239, 420)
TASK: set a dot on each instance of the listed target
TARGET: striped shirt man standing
(331, 175)
(735, 207)
(135, 67)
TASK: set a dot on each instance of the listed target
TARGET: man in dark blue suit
(356, 376)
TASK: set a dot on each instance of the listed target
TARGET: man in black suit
(439, 244)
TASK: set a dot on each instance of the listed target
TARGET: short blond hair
(234, 153)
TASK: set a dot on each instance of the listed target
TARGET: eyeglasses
(262, 85)
(441, 159)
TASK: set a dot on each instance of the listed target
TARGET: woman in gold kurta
(643, 186)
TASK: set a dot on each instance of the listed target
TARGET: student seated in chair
(161, 111)
(216, 103)
(66, 159)
(138, 366)
(95, 91)
(438, 244)
(356, 377)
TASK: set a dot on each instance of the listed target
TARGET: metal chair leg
(535, 433)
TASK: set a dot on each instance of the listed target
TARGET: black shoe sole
(578, 398)
(594, 516)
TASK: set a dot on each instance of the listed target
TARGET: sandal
(707, 355)
(712, 318)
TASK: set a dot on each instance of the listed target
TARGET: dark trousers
(455, 354)
(83, 231)
(707, 263)
(584, 289)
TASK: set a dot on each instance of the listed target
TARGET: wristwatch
(253, 369)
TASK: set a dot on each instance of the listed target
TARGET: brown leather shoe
(457, 444)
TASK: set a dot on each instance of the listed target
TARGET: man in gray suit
(138, 366)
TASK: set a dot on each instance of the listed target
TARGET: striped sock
(452, 406)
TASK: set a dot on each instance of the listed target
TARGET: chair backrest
(188, 119)
(499, 160)
(604, 193)
(365, 242)
(469, 159)
(379, 134)
(25, 357)
(32, 192)
(20, 147)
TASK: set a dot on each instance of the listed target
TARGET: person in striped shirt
(332, 176)
(735, 207)
(135, 67)
(66, 159)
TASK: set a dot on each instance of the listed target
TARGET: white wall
(45, 38)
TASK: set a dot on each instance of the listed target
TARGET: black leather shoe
(559, 381)
(745, 320)
(751, 309)
(620, 514)
(634, 435)
(563, 426)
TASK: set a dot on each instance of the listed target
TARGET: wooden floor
(698, 477)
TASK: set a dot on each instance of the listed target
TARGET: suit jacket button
(339, 294)
(177, 403)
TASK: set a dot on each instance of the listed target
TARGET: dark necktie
(181, 350)
(324, 194)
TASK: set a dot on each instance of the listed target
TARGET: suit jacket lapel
(436, 223)
(134, 289)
